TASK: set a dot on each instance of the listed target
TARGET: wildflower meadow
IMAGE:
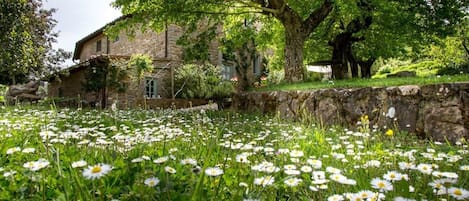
(82, 154)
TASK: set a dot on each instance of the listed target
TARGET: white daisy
(213, 171)
(381, 185)
(169, 170)
(80, 163)
(152, 181)
(96, 171)
(292, 182)
(264, 181)
(458, 193)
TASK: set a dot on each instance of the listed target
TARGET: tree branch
(317, 16)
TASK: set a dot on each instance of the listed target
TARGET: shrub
(275, 77)
(454, 69)
(201, 81)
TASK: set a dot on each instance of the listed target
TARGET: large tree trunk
(297, 29)
(365, 67)
(294, 43)
(339, 56)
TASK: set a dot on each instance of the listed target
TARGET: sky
(78, 18)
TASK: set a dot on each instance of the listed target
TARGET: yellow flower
(390, 133)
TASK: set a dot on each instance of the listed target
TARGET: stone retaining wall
(439, 111)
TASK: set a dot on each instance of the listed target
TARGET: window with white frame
(151, 87)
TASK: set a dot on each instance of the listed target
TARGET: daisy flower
(213, 171)
(381, 185)
(189, 161)
(13, 150)
(292, 182)
(335, 198)
(161, 160)
(306, 168)
(169, 170)
(393, 176)
(80, 163)
(96, 171)
(458, 193)
(296, 153)
(152, 181)
(264, 181)
(425, 168)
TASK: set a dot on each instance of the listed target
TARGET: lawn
(378, 82)
(68, 154)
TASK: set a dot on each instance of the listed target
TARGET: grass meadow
(79, 154)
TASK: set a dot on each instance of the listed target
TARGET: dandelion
(96, 171)
(389, 133)
(292, 182)
(458, 193)
(80, 163)
(264, 181)
(152, 181)
(169, 170)
(213, 171)
(381, 185)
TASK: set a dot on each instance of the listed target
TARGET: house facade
(97, 51)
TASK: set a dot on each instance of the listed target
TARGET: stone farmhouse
(96, 50)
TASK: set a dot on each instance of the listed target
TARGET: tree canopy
(344, 31)
(299, 18)
(26, 38)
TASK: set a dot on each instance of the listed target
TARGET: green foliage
(275, 77)
(454, 69)
(106, 73)
(3, 91)
(141, 64)
(26, 37)
(201, 81)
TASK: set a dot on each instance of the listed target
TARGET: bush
(454, 69)
(275, 77)
(3, 91)
(201, 81)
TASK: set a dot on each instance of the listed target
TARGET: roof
(80, 43)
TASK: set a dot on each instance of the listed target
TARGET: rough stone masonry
(439, 112)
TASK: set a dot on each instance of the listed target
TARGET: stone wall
(439, 111)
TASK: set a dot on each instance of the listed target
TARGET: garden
(49, 153)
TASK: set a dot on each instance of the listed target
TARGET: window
(98, 46)
(227, 72)
(151, 90)
(116, 39)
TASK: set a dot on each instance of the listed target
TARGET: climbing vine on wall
(106, 72)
